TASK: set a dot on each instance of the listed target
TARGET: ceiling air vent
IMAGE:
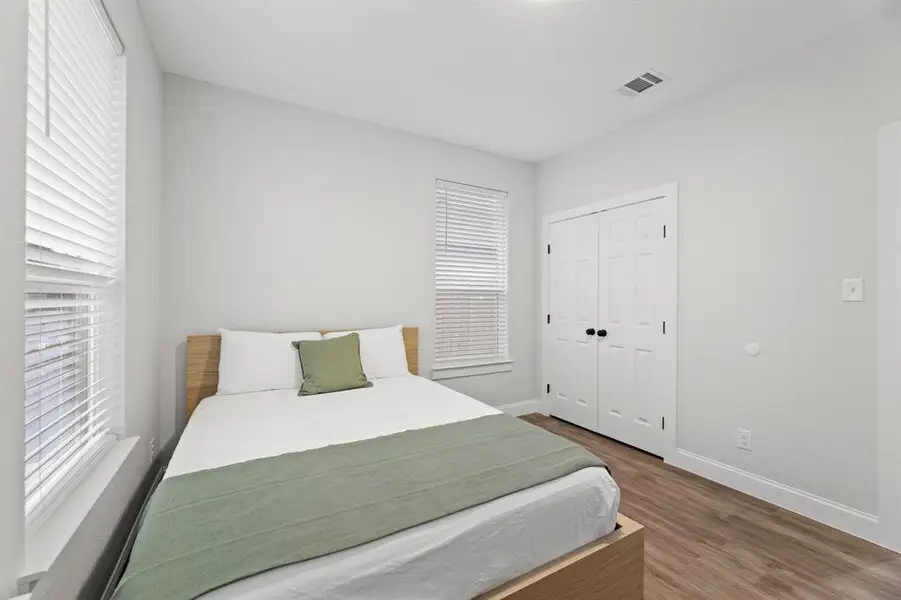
(643, 83)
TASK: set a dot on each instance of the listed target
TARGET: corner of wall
(889, 333)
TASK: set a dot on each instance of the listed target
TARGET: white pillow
(253, 362)
(382, 351)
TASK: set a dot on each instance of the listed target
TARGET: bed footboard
(612, 568)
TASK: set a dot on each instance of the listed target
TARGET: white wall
(145, 101)
(890, 334)
(777, 176)
(277, 217)
(143, 190)
(13, 85)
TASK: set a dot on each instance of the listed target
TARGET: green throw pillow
(331, 365)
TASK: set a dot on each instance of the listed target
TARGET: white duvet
(454, 558)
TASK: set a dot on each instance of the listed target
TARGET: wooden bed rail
(611, 568)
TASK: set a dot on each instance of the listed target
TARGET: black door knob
(589, 331)
(602, 333)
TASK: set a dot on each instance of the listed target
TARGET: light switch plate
(852, 290)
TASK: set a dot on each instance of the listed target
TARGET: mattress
(454, 558)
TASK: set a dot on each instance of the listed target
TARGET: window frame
(464, 365)
(97, 332)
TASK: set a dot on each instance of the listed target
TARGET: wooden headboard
(202, 364)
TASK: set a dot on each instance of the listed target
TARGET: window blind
(470, 274)
(74, 163)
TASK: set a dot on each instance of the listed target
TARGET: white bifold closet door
(633, 282)
(573, 302)
(612, 290)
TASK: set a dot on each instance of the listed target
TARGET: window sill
(46, 541)
(455, 370)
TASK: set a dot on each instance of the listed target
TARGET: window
(470, 280)
(74, 187)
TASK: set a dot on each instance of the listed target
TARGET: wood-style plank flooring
(706, 541)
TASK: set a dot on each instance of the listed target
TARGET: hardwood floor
(705, 541)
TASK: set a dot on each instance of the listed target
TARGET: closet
(609, 343)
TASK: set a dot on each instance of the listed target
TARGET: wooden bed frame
(611, 568)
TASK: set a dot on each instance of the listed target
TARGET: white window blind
(470, 275)
(74, 181)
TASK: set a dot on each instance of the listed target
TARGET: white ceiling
(522, 78)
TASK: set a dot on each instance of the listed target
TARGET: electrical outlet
(744, 440)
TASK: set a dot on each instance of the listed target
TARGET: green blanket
(207, 529)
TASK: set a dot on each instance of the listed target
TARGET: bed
(560, 539)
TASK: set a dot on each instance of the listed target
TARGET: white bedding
(454, 558)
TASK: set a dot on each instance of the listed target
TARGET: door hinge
(663, 422)
(664, 328)
(664, 232)
(549, 319)
(548, 248)
(548, 388)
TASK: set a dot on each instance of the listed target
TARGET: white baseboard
(521, 408)
(841, 517)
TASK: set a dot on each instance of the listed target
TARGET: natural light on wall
(74, 200)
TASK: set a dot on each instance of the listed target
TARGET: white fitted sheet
(454, 558)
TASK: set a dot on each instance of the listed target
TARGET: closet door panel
(573, 309)
(631, 272)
